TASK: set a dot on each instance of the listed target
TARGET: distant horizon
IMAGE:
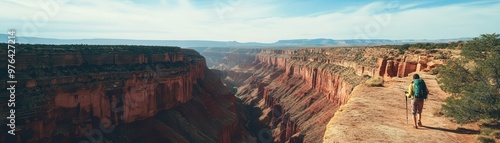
(239, 41)
(263, 21)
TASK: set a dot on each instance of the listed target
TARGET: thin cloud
(249, 21)
(412, 5)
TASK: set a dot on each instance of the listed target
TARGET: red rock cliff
(66, 94)
(298, 91)
(297, 94)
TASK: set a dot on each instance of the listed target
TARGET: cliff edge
(377, 114)
(118, 93)
(292, 94)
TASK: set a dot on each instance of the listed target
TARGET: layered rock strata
(292, 94)
(297, 97)
(72, 93)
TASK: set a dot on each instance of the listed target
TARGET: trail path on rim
(377, 114)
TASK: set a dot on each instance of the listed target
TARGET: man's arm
(409, 93)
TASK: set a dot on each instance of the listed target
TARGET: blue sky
(251, 20)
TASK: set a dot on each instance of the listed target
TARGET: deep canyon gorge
(293, 94)
(85, 93)
(80, 93)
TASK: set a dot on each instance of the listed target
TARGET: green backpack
(420, 89)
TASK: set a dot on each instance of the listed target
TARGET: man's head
(416, 76)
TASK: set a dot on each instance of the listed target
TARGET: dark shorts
(417, 104)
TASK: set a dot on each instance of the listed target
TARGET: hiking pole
(406, 102)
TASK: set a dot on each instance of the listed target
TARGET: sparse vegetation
(93, 49)
(489, 122)
(473, 81)
(496, 134)
(45, 70)
(486, 131)
(428, 46)
(484, 139)
(489, 128)
(375, 82)
(440, 56)
(438, 113)
(434, 71)
(191, 53)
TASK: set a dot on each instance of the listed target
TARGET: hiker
(417, 91)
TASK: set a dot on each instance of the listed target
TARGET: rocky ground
(377, 114)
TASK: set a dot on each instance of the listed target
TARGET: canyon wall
(72, 93)
(297, 94)
(226, 58)
(387, 63)
(292, 94)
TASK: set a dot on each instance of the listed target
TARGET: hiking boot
(419, 124)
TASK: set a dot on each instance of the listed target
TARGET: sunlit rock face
(120, 94)
(292, 94)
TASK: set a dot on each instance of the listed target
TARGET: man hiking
(418, 92)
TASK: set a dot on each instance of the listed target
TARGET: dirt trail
(377, 114)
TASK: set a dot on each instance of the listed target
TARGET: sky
(264, 21)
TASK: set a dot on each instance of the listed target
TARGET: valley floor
(377, 114)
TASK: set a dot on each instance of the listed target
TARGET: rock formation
(297, 94)
(292, 94)
(86, 93)
(73, 93)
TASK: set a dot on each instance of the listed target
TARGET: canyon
(292, 94)
(112, 93)
(86, 93)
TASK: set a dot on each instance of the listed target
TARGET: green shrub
(486, 131)
(434, 71)
(489, 122)
(375, 82)
(473, 87)
(484, 139)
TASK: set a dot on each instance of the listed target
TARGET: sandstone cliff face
(297, 97)
(403, 65)
(296, 92)
(66, 94)
(387, 63)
